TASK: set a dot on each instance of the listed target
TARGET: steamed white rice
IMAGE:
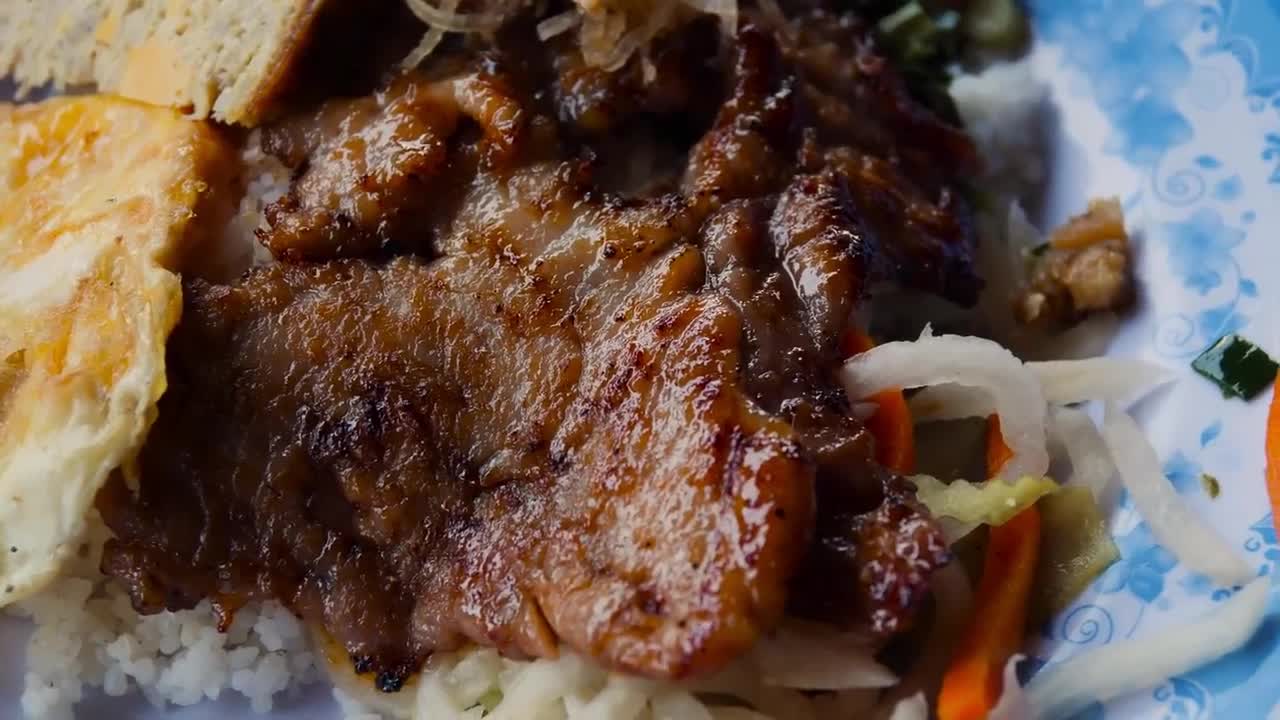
(267, 180)
(87, 635)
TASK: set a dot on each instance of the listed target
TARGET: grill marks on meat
(875, 544)
(612, 424)
(479, 450)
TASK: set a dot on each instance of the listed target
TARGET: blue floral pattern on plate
(1175, 106)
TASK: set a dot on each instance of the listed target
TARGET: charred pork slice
(417, 456)
(568, 418)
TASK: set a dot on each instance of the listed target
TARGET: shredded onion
(621, 698)
(558, 24)
(539, 685)
(424, 48)
(819, 658)
(598, 27)
(1063, 382)
(446, 18)
(1062, 690)
(429, 41)
(972, 362)
(1091, 464)
(1115, 380)
(611, 31)
(1172, 523)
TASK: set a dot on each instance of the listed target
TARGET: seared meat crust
(417, 456)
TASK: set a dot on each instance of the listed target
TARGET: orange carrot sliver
(894, 432)
(974, 678)
(1272, 444)
(891, 423)
(997, 452)
(973, 681)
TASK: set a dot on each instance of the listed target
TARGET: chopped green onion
(1237, 366)
(924, 44)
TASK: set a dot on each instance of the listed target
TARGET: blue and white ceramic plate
(1174, 106)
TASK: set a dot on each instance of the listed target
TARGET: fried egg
(99, 199)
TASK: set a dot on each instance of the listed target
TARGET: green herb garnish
(924, 44)
(1237, 366)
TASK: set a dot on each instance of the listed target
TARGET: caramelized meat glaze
(548, 358)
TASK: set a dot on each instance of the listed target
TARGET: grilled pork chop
(569, 415)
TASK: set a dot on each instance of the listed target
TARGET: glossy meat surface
(363, 172)
(568, 416)
(444, 433)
